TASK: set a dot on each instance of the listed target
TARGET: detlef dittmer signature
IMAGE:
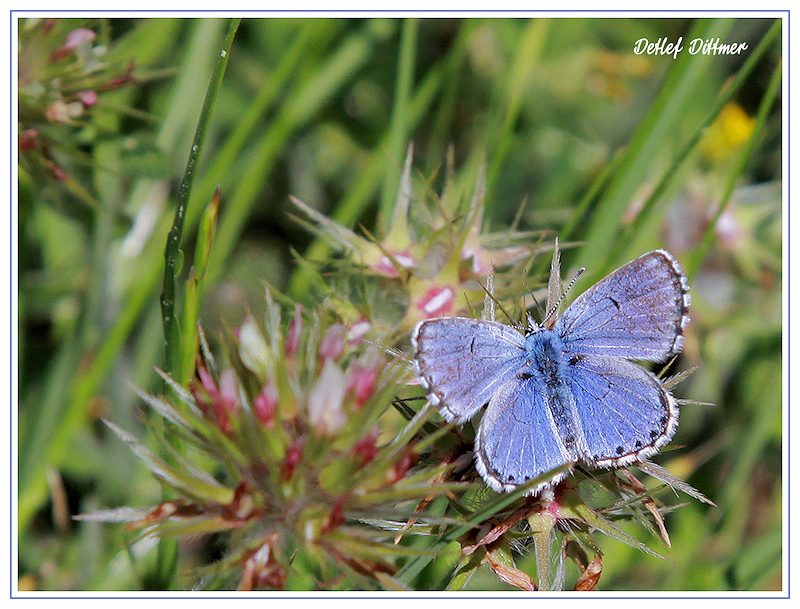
(698, 46)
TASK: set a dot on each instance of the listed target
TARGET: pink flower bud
(336, 517)
(88, 98)
(74, 39)
(207, 380)
(326, 399)
(366, 448)
(261, 569)
(295, 330)
(58, 173)
(57, 112)
(199, 397)
(385, 267)
(224, 397)
(293, 455)
(332, 345)
(437, 301)
(27, 139)
(357, 331)
(361, 382)
(265, 404)
(401, 468)
(228, 389)
(388, 267)
(77, 36)
(729, 230)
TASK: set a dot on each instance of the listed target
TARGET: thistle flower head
(319, 450)
(297, 460)
(431, 259)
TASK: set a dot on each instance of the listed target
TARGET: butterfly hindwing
(463, 362)
(638, 312)
(623, 410)
(518, 438)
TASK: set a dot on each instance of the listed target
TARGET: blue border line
(11, 309)
(389, 10)
(785, 52)
(789, 306)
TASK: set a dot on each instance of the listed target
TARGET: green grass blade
(684, 79)
(310, 41)
(172, 355)
(400, 121)
(525, 64)
(368, 181)
(301, 107)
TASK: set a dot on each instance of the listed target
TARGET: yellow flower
(732, 128)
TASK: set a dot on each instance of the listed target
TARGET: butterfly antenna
(549, 319)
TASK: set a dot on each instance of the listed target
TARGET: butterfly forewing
(638, 312)
(624, 412)
(463, 362)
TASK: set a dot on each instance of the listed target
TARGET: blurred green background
(614, 152)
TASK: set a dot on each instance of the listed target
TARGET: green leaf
(202, 490)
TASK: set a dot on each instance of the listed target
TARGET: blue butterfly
(564, 392)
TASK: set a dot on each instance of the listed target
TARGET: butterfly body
(546, 357)
(570, 394)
